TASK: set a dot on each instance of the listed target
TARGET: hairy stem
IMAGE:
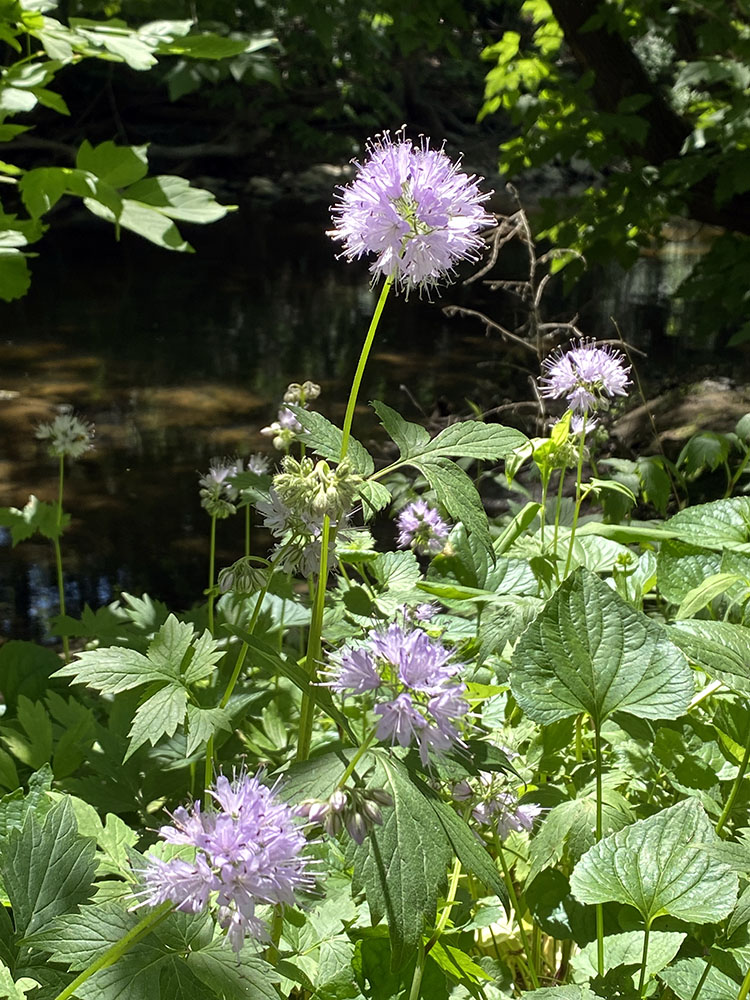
(211, 572)
(599, 907)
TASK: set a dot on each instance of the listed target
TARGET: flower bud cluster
(284, 430)
(244, 576)
(314, 489)
(218, 494)
(355, 810)
(68, 435)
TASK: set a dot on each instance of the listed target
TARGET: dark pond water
(177, 358)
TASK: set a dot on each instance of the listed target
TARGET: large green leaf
(683, 978)
(325, 439)
(718, 525)
(590, 651)
(458, 494)
(402, 865)
(720, 648)
(681, 567)
(46, 867)
(660, 865)
(627, 949)
(117, 165)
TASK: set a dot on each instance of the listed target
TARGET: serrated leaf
(627, 949)
(718, 525)
(589, 651)
(408, 437)
(325, 439)
(77, 939)
(659, 866)
(469, 850)
(158, 716)
(35, 516)
(374, 496)
(46, 867)
(401, 867)
(250, 978)
(722, 649)
(15, 989)
(144, 220)
(683, 978)
(175, 198)
(458, 494)
(203, 723)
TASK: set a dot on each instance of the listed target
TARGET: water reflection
(178, 358)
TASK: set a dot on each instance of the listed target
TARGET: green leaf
(408, 437)
(681, 567)
(470, 852)
(15, 989)
(46, 867)
(35, 516)
(458, 494)
(325, 438)
(250, 978)
(204, 46)
(175, 198)
(474, 439)
(590, 651)
(720, 648)
(158, 716)
(683, 978)
(116, 165)
(660, 866)
(374, 496)
(698, 597)
(147, 222)
(203, 723)
(561, 993)
(41, 189)
(401, 867)
(15, 278)
(77, 939)
(627, 949)
(718, 525)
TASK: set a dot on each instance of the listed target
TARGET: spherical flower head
(413, 209)
(588, 376)
(418, 697)
(422, 528)
(247, 853)
(68, 435)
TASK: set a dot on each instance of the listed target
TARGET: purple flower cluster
(247, 854)
(422, 528)
(414, 209)
(419, 700)
(588, 376)
(495, 807)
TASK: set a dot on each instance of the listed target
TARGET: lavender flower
(422, 528)
(588, 376)
(283, 430)
(67, 434)
(419, 699)
(414, 209)
(496, 807)
(259, 464)
(247, 853)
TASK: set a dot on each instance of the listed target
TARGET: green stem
(449, 901)
(738, 473)
(556, 535)
(577, 509)
(517, 910)
(247, 530)
(228, 691)
(211, 572)
(579, 738)
(327, 539)
(735, 787)
(745, 988)
(703, 978)
(599, 907)
(364, 354)
(361, 750)
(644, 960)
(111, 955)
(58, 554)
(416, 979)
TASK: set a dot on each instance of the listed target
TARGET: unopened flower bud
(356, 827)
(372, 813)
(337, 801)
(301, 394)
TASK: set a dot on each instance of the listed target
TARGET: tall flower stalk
(419, 215)
(68, 436)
